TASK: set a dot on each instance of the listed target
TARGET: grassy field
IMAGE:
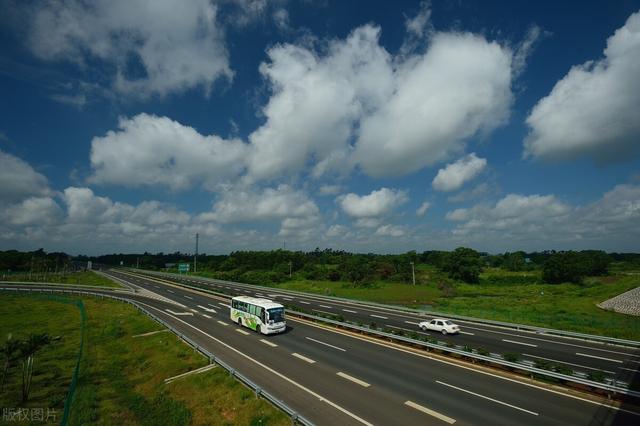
(519, 297)
(78, 278)
(121, 377)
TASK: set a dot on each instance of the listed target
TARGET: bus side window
(253, 310)
(261, 314)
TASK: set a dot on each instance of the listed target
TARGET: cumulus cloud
(543, 222)
(32, 211)
(390, 231)
(423, 209)
(330, 189)
(150, 150)
(315, 101)
(377, 203)
(237, 205)
(416, 25)
(336, 231)
(356, 104)
(167, 48)
(459, 88)
(593, 110)
(454, 175)
(18, 180)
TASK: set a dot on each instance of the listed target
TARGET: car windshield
(276, 314)
(448, 322)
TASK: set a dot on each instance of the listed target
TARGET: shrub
(596, 376)
(511, 357)
(563, 369)
(483, 351)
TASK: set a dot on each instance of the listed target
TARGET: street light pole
(195, 258)
(413, 273)
(290, 269)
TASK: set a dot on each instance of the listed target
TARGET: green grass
(78, 278)
(121, 377)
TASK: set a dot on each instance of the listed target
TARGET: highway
(333, 378)
(616, 361)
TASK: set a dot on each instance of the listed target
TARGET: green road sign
(183, 267)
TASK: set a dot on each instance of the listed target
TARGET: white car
(442, 325)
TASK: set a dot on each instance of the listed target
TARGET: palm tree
(9, 353)
(28, 348)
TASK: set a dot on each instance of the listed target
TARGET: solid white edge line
(271, 370)
(266, 342)
(486, 397)
(599, 357)
(304, 358)
(430, 412)
(353, 379)
(520, 343)
(568, 363)
(326, 344)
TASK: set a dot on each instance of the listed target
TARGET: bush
(563, 369)
(511, 357)
(596, 376)
(463, 264)
(542, 364)
(483, 352)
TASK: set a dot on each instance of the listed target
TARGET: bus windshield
(276, 314)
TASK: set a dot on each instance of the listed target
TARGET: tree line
(360, 269)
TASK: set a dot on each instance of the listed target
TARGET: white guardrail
(522, 327)
(615, 387)
(295, 417)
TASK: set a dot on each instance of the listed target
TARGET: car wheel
(423, 328)
(444, 331)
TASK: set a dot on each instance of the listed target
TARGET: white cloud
(330, 189)
(390, 231)
(423, 209)
(367, 222)
(459, 88)
(593, 110)
(315, 102)
(281, 19)
(454, 175)
(18, 180)
(32, 211)
(150, 150)
(336, 231)
(377, 203)
(417, 25)
(169, 47)
(247, 205)
(525, 47)
(476, 192)
(544, 222)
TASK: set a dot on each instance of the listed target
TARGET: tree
(9, 353)
(28, 349)
(564, 267)
(514, 261)
(463, 264)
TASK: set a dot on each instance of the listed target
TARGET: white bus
(261, 315)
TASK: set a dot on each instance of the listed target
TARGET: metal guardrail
(514, 365)
(611, 388)
(210, 356)
(515, 326)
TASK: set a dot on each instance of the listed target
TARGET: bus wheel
(239, 322)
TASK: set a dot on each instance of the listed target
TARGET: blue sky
(365, 126)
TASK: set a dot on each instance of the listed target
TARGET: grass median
(121, 378)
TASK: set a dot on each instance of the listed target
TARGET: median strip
(353, 379)
(487, 398)
(430, 412)
(304, 358)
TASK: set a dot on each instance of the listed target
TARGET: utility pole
(195, 258)
(137, 263)
(413, 273)
(290, 263)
